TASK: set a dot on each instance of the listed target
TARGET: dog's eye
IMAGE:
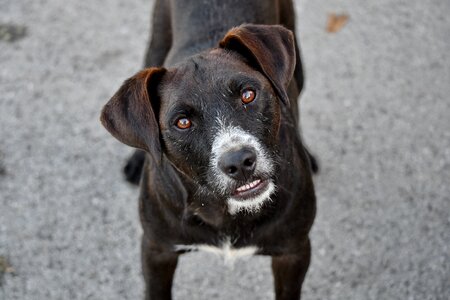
(248, 96)
(184, 123)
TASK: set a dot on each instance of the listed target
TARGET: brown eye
(248, 96)
(184, 123)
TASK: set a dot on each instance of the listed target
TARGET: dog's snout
(238, 164)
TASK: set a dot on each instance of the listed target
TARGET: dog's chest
(226, 250)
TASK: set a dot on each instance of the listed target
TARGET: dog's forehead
(206, 75)
(210, 68)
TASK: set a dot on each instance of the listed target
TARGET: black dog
(226, 168)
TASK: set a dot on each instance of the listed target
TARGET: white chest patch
(226, 251)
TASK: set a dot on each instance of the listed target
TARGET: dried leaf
(5, 267)
(336, 22)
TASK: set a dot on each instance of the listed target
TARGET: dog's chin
(250, 197)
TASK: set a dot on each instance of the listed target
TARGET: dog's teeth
(254, 183)
(248, 186)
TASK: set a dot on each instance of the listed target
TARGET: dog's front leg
(289, 270)
(158, 269)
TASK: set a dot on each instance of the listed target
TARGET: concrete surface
(375, 110)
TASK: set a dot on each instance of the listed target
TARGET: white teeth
(248, 186)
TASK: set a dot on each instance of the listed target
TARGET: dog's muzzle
(238, 164)
(241, 169)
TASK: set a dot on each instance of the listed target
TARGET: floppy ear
(269, 48)
(129, 115)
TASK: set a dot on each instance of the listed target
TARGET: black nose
(238, 164)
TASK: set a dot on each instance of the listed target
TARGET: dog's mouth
(251, 190)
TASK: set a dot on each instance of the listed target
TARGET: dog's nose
(238, 164)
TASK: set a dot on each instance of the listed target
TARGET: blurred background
(375, 111)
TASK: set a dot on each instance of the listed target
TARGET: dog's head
(215, 116)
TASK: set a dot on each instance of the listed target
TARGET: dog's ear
(130, 117)
(269, 48)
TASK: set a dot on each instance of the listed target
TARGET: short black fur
(184, 198)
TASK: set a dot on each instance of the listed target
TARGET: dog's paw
(133, 167)
(313, 162)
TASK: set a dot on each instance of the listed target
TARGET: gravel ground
(375, 110)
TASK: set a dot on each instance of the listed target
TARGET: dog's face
(218, 120)
(215, 116)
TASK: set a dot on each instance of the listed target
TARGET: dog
(216, 115)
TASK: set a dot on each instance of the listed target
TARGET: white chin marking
(251, 205)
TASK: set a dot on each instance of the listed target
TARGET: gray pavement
(375, 110)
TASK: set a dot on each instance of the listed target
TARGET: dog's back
(198, 25)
